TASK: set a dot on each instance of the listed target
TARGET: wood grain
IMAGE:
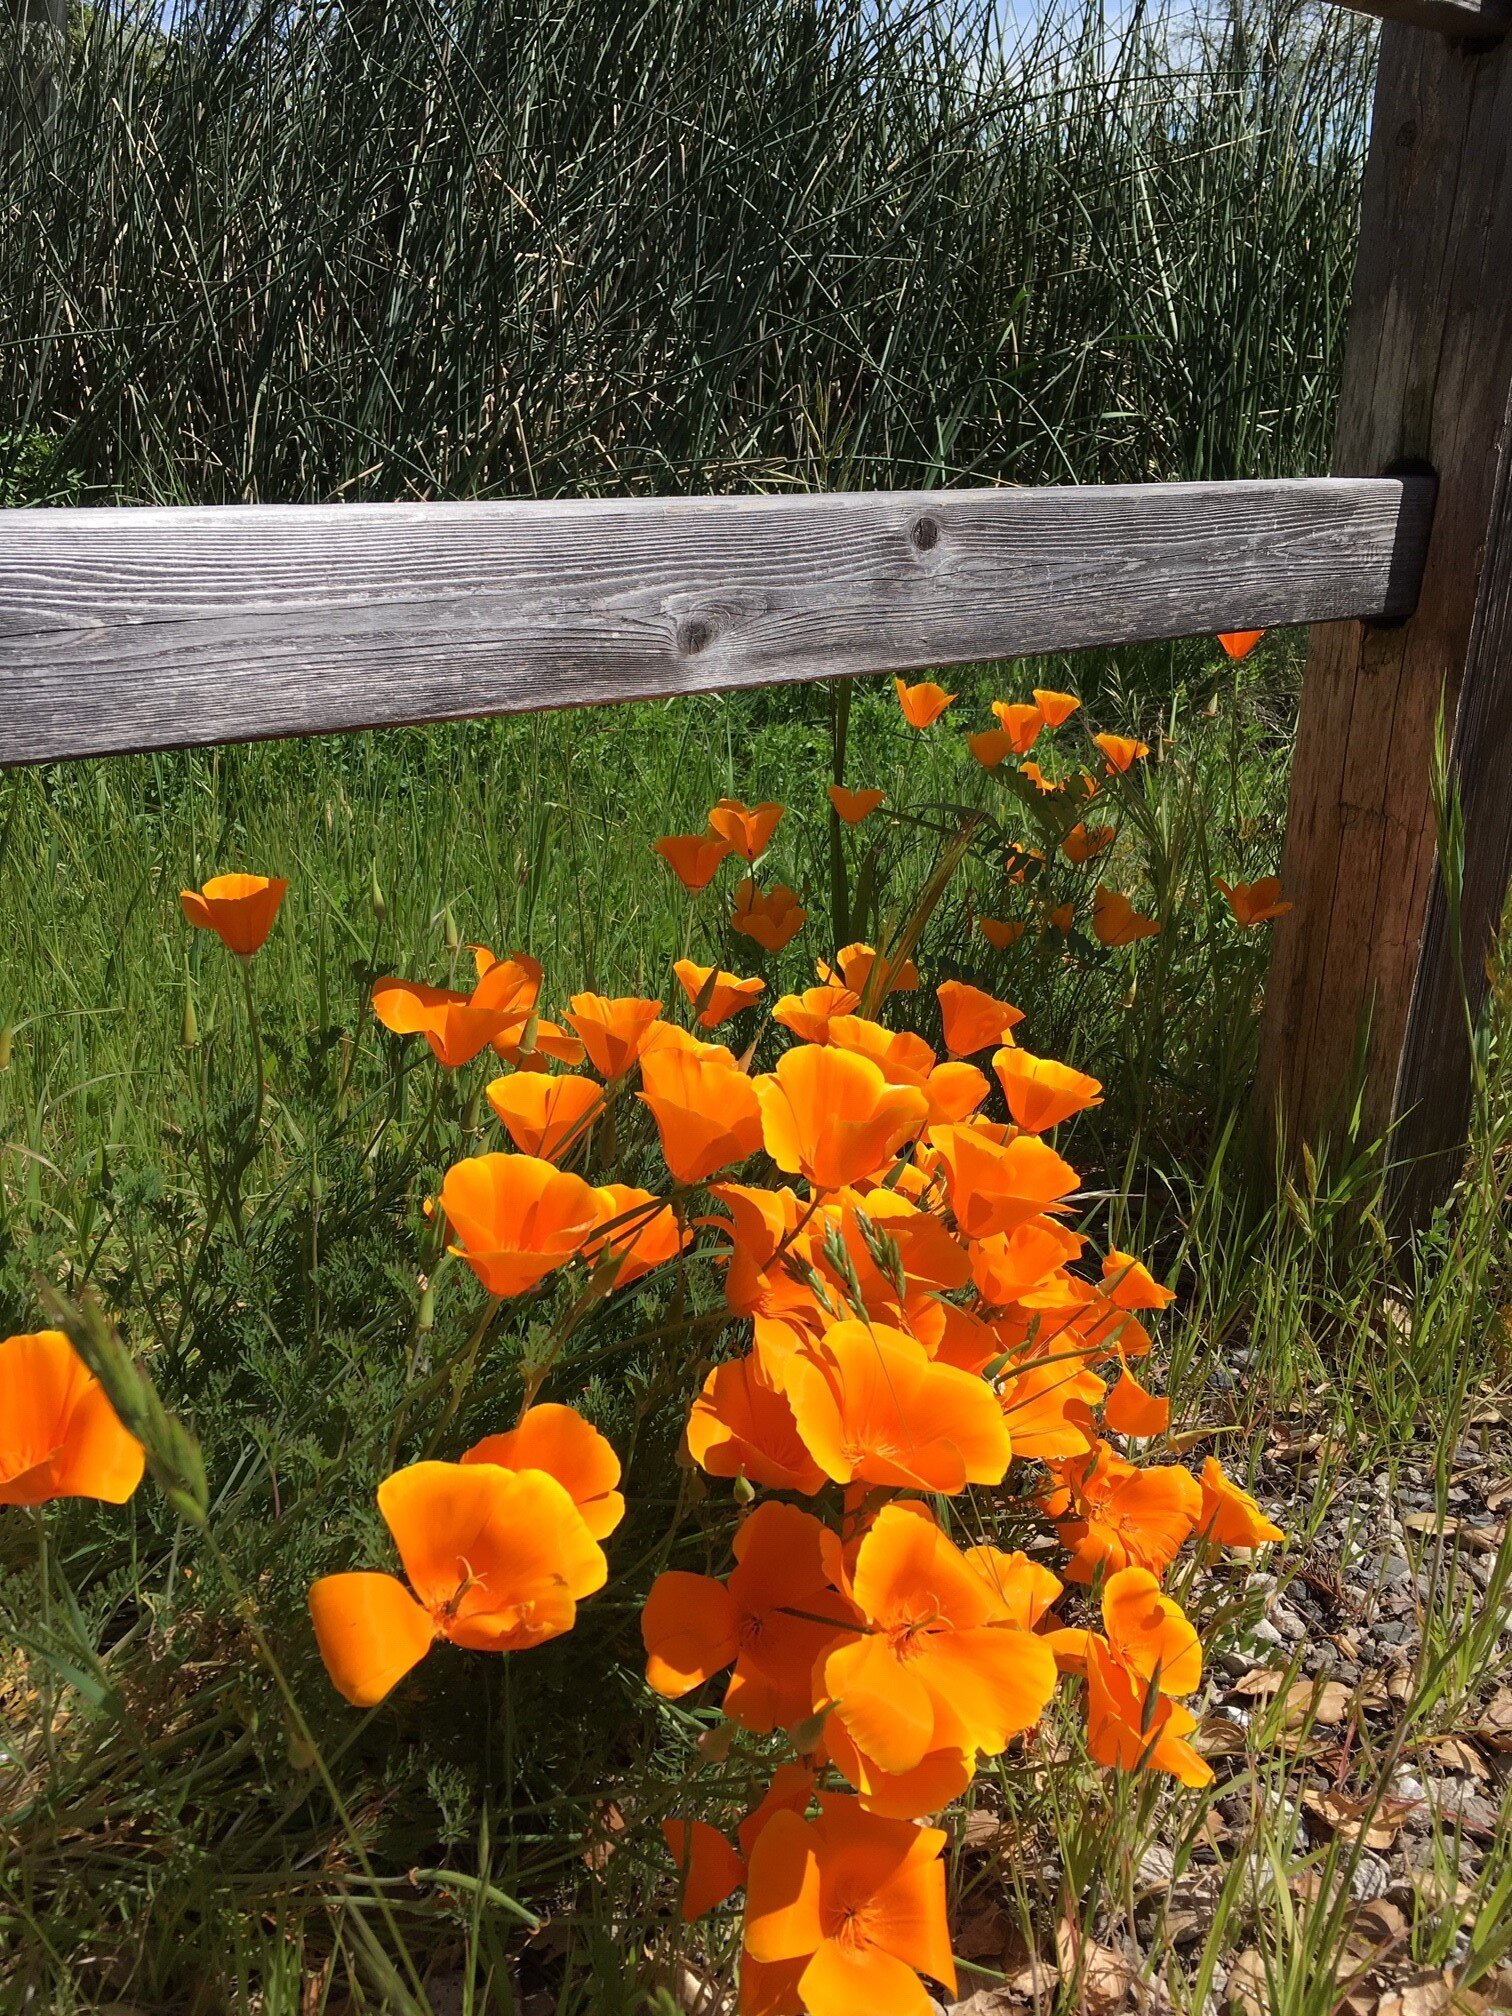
(156, 628)
(1427, 373)
(1470, 20)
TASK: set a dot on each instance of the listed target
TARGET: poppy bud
(453, 935)
(714, 1744)
(426, 1317)
(7, 1038)
(744, 1493)
(809, 1733)
(189, 1030)
(380, 908)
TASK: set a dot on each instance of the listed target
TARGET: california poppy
(854, 806)
(1129, 1517)
(809, 1014)
(1229, 1515)
(1239, 643)
(1150, 1653)
(1047, 787)
(832, 1117)
(990, 747)
(694, 858)
(457, 1025)
(722, 994)
(740, 1426)
(498, 1561)
(1121, 750)
(636, 1225)
(545, 1116)
(1000, 935)
(1056, 707)
(773, 917)
(995, 1186)
(855, 967)
(1061, 917)
(1130, 1410)
(1128, 1284)
(747, 828)
(613, 1030)
(559, 1441)
(1040, 1092)
(1021, 723)
(706, 1112)
(1083, 843)
(239, 909)
(1047, 1405)
(516, 1218)
(59, 1434)
(1254, 902)
(1007, 1265)
(974, 1020)
(1116, 922)
(922, 704)
(710, 1868)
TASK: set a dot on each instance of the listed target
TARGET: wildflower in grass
(1128, 1284)
(973, 1019)
(1057, 708)
(710, 1868)
(613, 1030)
(1254, 903)
(873, 1407)
(722, 994)
(706, 1112)
(516, 1218)
(694, 858)
(742, 1426)
(1239, 643)
(497, 1560)
(239, 909)
(1021, 723)
(1061, 917)
(1031, 773)
(1042, 1093)
(856, 1899)
(545, 1116)
(1000, 935)
(854, 806)
(1007, 1265)
(539, 1044)
(559, 1441)
(773, 917)
(855, 966)
(922, 704)
(747, 828)
(670, 1036)
(59, 1435)
(1121, 751)
(1116, 922)
(990, 747)
(809, 1014)
(1084, 843)
(831, 1116)
(995, 1186)
(458, 1026)
(778, 1610)
(1229, 1515)
(637, 1225)
(1048, 1408)
(1125, 1517)
(1149, 1653)
(1130, 1410)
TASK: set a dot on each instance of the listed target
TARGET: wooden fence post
(1365, 954)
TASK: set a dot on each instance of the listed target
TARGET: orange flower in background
(974, 1020)
(539, 1045)
(773, 918)
(1061, 917)
(1149, 1654)
(239, 909)
(1239, 643)
(922, 704)
(995, 1186)
(613, 1030)
(454, 1029)
(511, 987)
(1254, 902)
(1116, 922)
(859, 1901)
(747, 829)
(1084, 843)
(809, 1015)
(559, 1441)
(668, 1036)
(1032, 774)
(1130, 1285)
(637, 1225)
(726, 996)
(1008, 1265)
(1121, 751)
(832, 1117)
(59, 1434)
(1001, 935)
(854, 966)
(739, 1426)
(1129, 1517)
(854, 806)
(710, 1869)
(1048, 1409)
(1021, 724)
(706, 1112)
(545, 1116)
(1229, 1515)
(991, 747)
(1042, 1093)
(516, 1218)
(1133, 1411)
(693, 858)
(874, 1408)
(1057, 708)
(498, 1561)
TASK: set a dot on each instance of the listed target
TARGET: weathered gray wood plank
(1467, 20)
(143, 629)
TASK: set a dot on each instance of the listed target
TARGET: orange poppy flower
(859, 1899)
(903, 1057)
(706, 1112)
(239, 909)
(559, 1441)
(773, 918)
(809, 1015)
(516, 1218)
(1132, 1726)
(773, 1617)
(874, 1408)
(1042, 1093)
(1130, 1285)
(832, 1117)
(853, 968)
(710, 1869)
(1061, 918)
(1048, 1408)
(747, 828)
(539, 1045)
(1001, 935)
(1229, 1515)
(456, 1025)
(1254, 902)
(59, 1434)
(637, 1225)
(1084, 843)
(1133, 1411)
(1121, 751)
(974, 1020)
(1021, 724)
(1057, 708)
(1129, 1517)
(1116, 922)
(613, 1031)
(1239, 643)
(727, 993)
(1046, 786)
(995, 1186)
(498, 1561)
(990, 747)
(545, 1116)
(922, 704)
(1149, 1654)
(854, 806)
(1007, 1265)
(666, 1036)
(694, 858)
(740, 1426)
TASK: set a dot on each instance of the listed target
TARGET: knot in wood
(694, 634)
(924, 533)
